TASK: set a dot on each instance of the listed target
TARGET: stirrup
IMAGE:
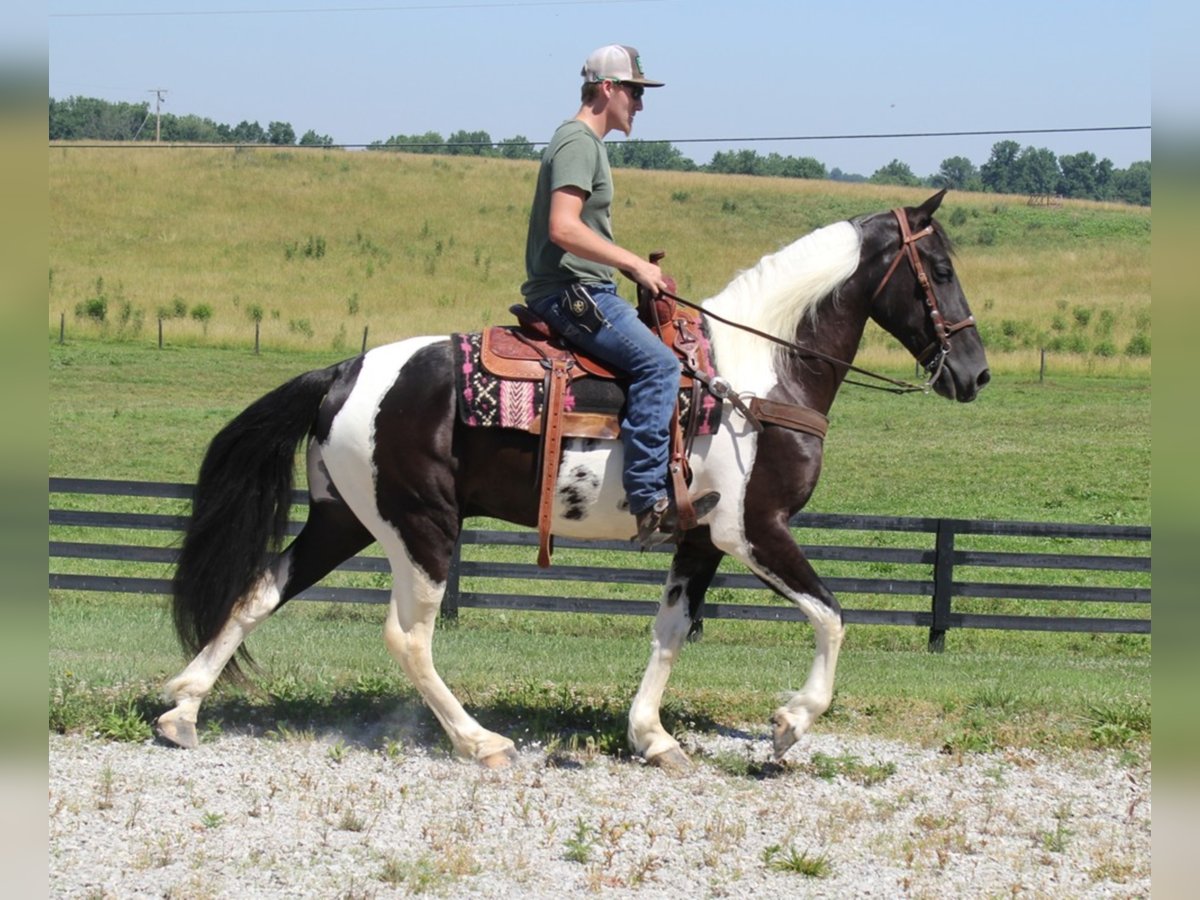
(660, 524)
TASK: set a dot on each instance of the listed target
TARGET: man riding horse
(570, 258)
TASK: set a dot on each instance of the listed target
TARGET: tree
(247, 133)
(280, 134)
(959, 174)
(429, 142)
(1079, 175)
(311, 139)
(470, 143)
(661, 155)
(86, 118)
(191, 130)
(735, 162)
(1132, 185)
(999, 173)
(518, 147)
(1036, 172)
(792, 167)
(895, 172)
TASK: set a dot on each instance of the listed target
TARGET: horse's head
(919, 300)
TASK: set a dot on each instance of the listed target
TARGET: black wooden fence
(960, 568)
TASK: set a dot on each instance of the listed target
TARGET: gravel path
(254, 817)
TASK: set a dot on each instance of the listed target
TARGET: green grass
(566, 680)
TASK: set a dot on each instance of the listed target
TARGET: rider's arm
(568, 231)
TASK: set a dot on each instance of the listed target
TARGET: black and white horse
(388, 460)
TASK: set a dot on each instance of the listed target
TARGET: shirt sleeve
(574, 164)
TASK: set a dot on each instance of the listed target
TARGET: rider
(570, 257)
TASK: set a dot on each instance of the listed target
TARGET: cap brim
(643, 82)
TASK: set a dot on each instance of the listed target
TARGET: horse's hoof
(783, 736)
(501, 760)
(673, 760)
(177, 733)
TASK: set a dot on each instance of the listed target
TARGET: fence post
(449, 611)
(62, 328)
(943, 584)
(364, 344)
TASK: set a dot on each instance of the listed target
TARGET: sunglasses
(635, 90)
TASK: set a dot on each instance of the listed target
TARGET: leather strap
(557, 377)
(685, 513)
(789, 415)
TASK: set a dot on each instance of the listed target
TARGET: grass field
(314, 247)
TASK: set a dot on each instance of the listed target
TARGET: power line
(902, 134)
(757, 140)
(418, 7)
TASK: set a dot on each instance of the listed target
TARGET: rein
(900, 387)
(939, 349)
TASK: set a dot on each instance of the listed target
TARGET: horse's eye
(942, 273)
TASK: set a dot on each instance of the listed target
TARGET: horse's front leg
(780, 563)
(692, 571)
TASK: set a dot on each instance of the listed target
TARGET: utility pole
(158, 102)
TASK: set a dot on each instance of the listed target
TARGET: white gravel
(321, 817)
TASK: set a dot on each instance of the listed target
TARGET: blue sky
(364, 70)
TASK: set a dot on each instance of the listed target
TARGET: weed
(419, 876)
(1117, 724)
(777, 859)
(212, 820)
(969, 741)
(1056, 841)
(104, 790)
(126, 725)
(581, 843)
(351, 821)
(337, 752)
(849, 767)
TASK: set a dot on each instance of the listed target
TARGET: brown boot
(660, 524)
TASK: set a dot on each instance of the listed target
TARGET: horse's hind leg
(331, 535)
(692, 571)
(408, 634)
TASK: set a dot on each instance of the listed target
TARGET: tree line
(1010, 169)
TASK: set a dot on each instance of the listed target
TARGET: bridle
(933, 357)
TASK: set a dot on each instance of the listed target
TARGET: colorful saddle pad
(487, 401)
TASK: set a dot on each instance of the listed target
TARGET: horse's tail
(240, 507)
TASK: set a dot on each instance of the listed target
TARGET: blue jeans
(624, 342)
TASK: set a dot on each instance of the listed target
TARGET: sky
(818, 73)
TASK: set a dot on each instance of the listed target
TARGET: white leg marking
(408, 633)
(802, 708)
(646, 733)
(189, 688)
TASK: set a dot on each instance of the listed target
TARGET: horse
(389, 460)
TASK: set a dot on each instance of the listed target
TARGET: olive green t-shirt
(575, 158)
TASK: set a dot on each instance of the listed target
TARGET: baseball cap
(616, 62)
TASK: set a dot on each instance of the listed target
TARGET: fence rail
(962, 585)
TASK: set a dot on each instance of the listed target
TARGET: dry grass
(320, 245)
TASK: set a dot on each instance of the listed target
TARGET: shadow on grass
(564, 721)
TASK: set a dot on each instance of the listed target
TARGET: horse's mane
(774, 296)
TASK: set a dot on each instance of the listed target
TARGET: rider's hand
(649, 276)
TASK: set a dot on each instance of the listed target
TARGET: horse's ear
(926, 210)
